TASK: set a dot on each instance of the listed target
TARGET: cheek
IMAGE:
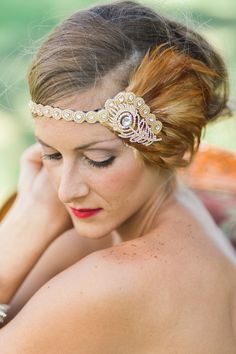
(120, 182)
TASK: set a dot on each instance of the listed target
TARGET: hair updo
(176, 71)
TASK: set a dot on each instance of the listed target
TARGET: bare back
(186, 283)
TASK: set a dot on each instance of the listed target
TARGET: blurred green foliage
(24, 24)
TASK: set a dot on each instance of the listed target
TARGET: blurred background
(24, 24)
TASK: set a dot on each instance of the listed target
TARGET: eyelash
(99, 164)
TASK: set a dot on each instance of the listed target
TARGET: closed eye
(56, 156)
(99, 164)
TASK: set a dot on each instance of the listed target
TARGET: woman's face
(91, 168)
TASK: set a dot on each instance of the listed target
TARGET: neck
(147, 217)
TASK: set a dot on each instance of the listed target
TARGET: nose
(72, 185)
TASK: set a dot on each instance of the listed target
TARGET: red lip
(84, 213)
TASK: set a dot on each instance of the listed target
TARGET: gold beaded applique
(126, 113)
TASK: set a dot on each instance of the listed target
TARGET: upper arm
(61, 254)
(65, 251)
(81, 310)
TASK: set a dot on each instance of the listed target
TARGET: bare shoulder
(111, 296)
(85, 301)
(63, 252)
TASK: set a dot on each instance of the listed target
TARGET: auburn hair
(178, 73)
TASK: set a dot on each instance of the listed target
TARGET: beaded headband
(126, 114)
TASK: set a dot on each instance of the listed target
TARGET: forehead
(51, 130)
(63, 134)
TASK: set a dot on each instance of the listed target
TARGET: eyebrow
(81, 147)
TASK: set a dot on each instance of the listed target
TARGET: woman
(104, 250)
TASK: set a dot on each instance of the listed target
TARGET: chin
(91, 231)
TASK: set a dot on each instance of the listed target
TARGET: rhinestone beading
(127, 121)
(126, 113)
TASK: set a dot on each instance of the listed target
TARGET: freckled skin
(163, 247)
